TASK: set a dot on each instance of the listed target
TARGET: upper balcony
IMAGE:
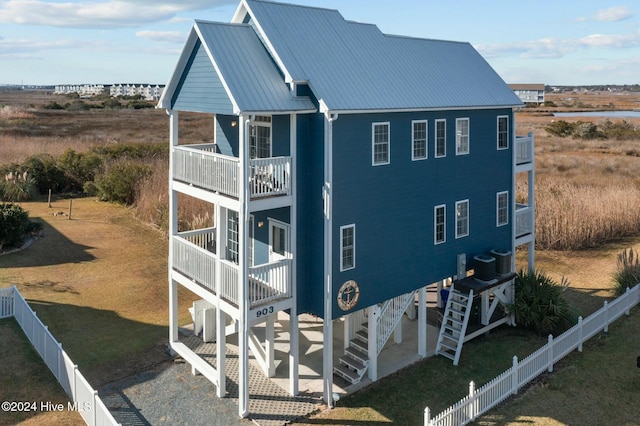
(524, 149)
(195, 257)
(202, 167)
(524, 220)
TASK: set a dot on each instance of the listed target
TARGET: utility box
(484, 267)
(503, 261)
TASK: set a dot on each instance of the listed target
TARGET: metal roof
(354, 66)
(249, 75)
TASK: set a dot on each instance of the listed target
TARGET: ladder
(454, 324)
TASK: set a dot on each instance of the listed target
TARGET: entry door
(278, 241)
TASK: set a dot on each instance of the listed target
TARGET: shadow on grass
(53, 248)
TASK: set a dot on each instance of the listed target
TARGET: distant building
(149, 92)
(529, 93)
(80, 89)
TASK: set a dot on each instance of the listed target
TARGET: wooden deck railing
(200, 166)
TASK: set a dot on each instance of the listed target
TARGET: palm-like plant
(540, 304)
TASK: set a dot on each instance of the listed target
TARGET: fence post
(628, 299)
(44, 344)
(514, 376)
(550, 352)
(471, 411)
(580, 334)
(606, 317)
(427, 416)
(93, 409)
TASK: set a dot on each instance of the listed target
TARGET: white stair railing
(390, 315)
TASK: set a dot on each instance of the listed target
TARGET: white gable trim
(170, 88)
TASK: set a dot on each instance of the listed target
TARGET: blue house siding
(200, 88)
(392, 206)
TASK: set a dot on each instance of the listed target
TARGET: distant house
(350, 170)
(529, 93)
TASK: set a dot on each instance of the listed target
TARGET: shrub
(586, 130)
(79, 167)
(540, 304)
(560, 128)
(15, 225)
(45, 173)
(628, 273)
(17, 190)
(119, 184)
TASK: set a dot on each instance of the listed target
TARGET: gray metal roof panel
(247, 69)
(354, 66)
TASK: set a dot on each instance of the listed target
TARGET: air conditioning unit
(503, 261)
(484, 267)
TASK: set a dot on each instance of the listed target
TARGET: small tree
(15, 225)
(540, 304)
(628, 273)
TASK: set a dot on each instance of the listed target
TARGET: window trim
(260, 121)
(373, 143)
(506, 133)
(444, 138)
(444, 224)
(414, 140)
(506, 208)
(459, 136)
(466, 219)
(343, 247)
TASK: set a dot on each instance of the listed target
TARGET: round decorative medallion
(348, 295)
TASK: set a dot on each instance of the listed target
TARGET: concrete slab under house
(363, 193)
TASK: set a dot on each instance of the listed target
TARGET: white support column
(209, 325)
(268, 343)
(221, 352)
(422, 322)
(243, 296)
(397, 333)
(348, 330)
(372, 371)
(294, 339)
(173, 230)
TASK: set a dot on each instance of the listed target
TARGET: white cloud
(24, 47)
(163, 36)
(98, 14)
(612, 14)
(611, 40)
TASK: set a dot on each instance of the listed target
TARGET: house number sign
(348, 295)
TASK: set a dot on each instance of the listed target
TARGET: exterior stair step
(353, 363)
(357, 355)
(344, 371)
(363, 335)
(360, 345)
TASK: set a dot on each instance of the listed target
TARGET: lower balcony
(524, 220)
(202, 167)
(195, 257)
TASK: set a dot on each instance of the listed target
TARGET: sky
(560, 42)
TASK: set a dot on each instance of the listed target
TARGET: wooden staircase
(354, 363)
(454, 324)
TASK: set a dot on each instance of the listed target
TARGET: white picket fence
(84, 398)
(481, 400)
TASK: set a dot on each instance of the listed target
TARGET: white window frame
(374, 144)
(462, 219)
(264, 123)
(274, 223)
(502, 210)
(444, 138)
(424, 140)
(343, 248)
(436, 224)
(463, 141)
(505, 133)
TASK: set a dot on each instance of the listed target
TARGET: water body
(606, 114)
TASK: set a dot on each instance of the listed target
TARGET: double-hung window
(462, 136)
(232, 237)
(439, 224)
(462, 218)
(347, 247)
(441, 138)
(503, 132)
(380, 144)
(502, 208)
(419, 140)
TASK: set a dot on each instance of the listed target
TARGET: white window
(502, 208)
(462, 136)
(347, 247)
(380, 144)
(441, 138)
(440, 224)
(233, 251)
(503, 132)
(462, 218)
(419, 140)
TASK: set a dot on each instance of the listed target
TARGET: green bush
(560, 128)
(119, 184)
(540, 304)
(132, 151)
(45, 172)
(17, 190)
(15, 225)
(628, 271)
(79, 168)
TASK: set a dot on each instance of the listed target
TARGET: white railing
(199, 165)
(508, 383)
(208, 170)
(524, 220)
(229, 285)
(203, 238)
(194, 262)
(524, 149)
(391, 312)
(270, 176)
(85, 399)
(269, 282)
